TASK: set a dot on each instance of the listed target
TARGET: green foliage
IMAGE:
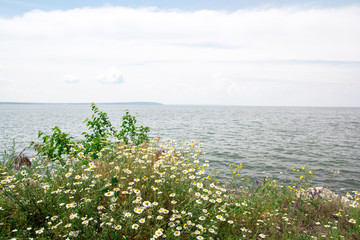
(100, 132)
(55, 145)
(129, 132)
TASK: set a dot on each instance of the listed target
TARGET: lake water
(269, 141)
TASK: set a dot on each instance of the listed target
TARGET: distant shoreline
(161, 104)
(105, 103)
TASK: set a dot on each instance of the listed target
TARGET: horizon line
(82, 103)
(174, 104)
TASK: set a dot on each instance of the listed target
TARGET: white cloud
(69, 78)
(173, 56)
(113, 77)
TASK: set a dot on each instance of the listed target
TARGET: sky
(250, 52)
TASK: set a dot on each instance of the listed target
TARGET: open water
(269, 141)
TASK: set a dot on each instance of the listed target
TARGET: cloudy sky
(250, 52)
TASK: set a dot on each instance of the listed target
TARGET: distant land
(108, 103)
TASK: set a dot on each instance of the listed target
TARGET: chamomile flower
(109, 194)
(262, 235)
(74, 233)
(147, 204)
(353, 221)
(212, 230)
(135, 226)
(138, 210)
(70, 205)
(40, 231)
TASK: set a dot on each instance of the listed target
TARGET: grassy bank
(161, 190)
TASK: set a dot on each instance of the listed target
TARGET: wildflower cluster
(148, 191)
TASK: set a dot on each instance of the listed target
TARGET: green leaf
(114, 181)
(116, 194)
(104, 190)
(40, 133)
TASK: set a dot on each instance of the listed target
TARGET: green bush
(100, 133)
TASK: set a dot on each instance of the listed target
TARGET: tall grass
(161, 190)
